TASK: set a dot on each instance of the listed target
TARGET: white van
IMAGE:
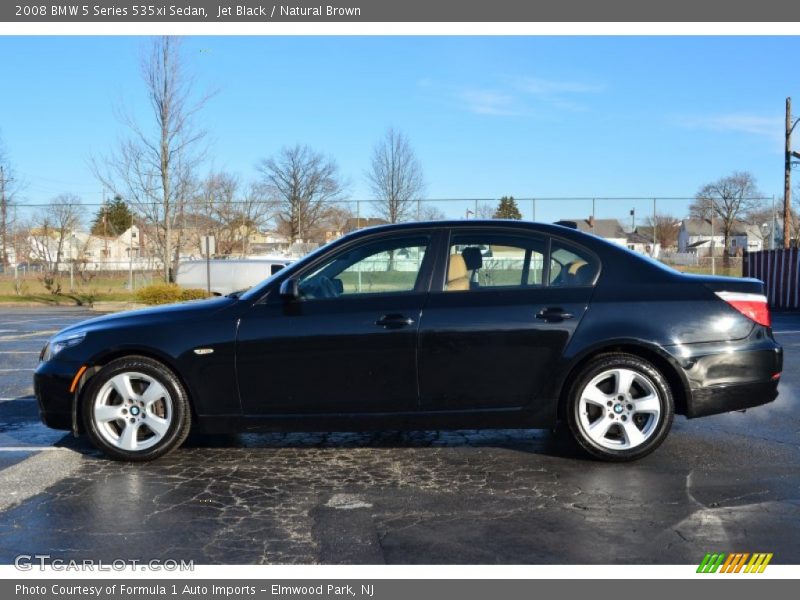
(227, 275)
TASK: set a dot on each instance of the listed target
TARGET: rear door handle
(394, 321)
(553, 314)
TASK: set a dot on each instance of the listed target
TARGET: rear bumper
(725, 398)
(729, 376)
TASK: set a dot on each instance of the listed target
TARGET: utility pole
(655, 221)
(3, 218)
(105, 229)
(713, 261)
(787, 179)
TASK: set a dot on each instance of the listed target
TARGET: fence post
(655, 220)
(71, 278)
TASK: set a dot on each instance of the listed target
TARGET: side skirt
(483, 419)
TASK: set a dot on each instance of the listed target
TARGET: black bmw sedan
(460, 324)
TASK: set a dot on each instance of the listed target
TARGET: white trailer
(223, 276)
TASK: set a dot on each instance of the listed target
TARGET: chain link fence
(105, 263)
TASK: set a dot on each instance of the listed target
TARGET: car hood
(154, 315)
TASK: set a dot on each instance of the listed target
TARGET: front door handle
(394, 321)
(553, 314)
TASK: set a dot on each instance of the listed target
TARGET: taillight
(752, 306)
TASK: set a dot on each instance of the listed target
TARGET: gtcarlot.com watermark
(42, 562)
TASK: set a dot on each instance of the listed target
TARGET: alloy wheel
(133, 411)
(619, 409)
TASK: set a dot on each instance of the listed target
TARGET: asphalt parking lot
(724, 483)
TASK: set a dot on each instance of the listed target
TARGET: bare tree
(336, 219)
(154, 168)
(485, 211)
(304, 184)
(8, 187)
(395, 177)
(431, 213)
(51, 236)
(234, 214)
(666, 229)
(726, 200)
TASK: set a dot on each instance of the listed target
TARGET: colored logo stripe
(758, 563)
(735, 562)
(710, 563)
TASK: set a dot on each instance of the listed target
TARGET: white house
(639, 241)
(92, 252)
(750, 238)
(695, 237)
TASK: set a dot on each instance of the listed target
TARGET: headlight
(58, 344)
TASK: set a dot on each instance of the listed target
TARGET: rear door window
(494, 260)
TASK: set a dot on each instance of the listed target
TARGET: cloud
(759, 125)
(489, 102)
(516, 96)
(550, 88)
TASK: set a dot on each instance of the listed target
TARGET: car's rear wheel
(135, 409)
(620, 407)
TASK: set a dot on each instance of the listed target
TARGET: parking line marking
(20, 351)
(15, 370)
(26, 448)
(39, 320)
(14, 338)
(790, 331)
(18, 398)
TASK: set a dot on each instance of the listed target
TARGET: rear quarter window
(571, 266)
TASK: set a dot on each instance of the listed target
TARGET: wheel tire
(612, 398)
(135, 409)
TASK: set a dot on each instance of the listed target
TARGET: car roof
(471, 224)
(631, 264)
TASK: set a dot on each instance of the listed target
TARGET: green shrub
(193, 294)
(167, 293)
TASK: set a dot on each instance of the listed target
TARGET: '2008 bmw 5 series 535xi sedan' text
(452, 324)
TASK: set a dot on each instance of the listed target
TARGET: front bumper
(51, 383)
(728, 376)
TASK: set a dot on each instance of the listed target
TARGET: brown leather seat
(582, 274)
(457, 278)
(575, 265)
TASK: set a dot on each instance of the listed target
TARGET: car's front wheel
(620, 407)
(135, 409)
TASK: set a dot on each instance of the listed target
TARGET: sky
(545, 117)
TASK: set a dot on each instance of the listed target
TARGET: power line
(201, 203)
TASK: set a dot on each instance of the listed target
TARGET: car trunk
(744, 285)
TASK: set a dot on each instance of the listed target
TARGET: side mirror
(290, 289)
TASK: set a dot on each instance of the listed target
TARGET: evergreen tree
(118, 218)
(507, 209)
